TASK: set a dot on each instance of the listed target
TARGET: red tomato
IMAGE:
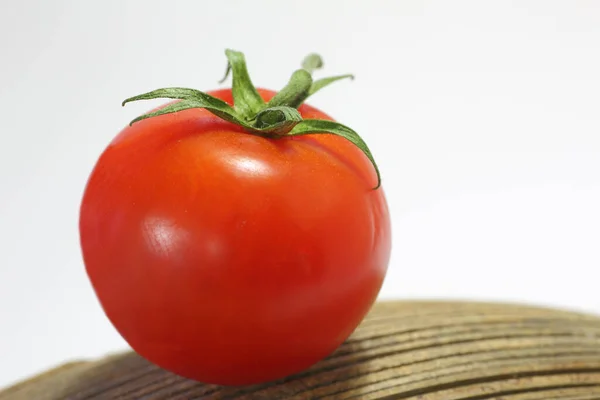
(228, 257)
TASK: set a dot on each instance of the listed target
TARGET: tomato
(233, 258)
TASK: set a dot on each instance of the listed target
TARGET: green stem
(276, 119)
(246, 99)
(295, 92)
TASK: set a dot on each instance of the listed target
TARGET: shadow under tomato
(335, 374)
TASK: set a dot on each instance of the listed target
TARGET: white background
(484, 118)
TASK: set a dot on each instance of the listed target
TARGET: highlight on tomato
(236, 236)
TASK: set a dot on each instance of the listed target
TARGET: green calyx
(276, 119)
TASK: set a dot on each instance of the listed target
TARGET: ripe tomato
(232, 258)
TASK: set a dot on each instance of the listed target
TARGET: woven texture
(402, 350)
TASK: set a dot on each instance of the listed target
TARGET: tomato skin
(231, 258)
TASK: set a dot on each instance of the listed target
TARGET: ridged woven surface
(402, 350)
